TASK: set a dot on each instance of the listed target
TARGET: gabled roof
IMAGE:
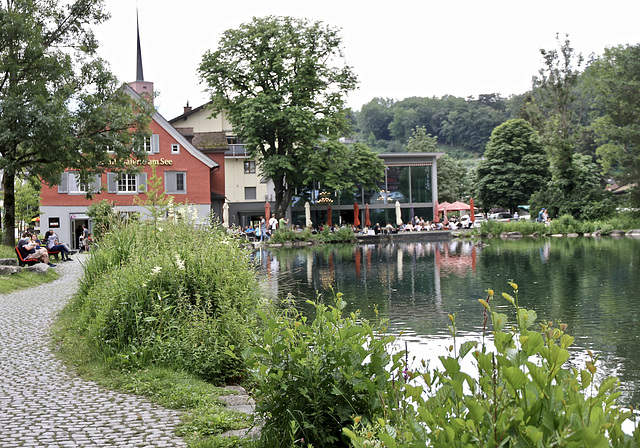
(164, 124)
(191, 112)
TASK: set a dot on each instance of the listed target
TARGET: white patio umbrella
(307, 214)
(398, 214)
(225, 215)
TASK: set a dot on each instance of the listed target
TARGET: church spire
(140, 86)
(139, 73)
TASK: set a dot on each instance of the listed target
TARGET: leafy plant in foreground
(313, 377)
(521, 394)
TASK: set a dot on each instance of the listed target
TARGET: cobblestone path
(43, 405)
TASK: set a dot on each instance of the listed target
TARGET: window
(175, 182)
(127, 183)
(249, 167)
(70, 183)
(175, 148)
(250, 193)
(151, 145)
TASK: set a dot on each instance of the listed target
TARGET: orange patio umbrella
(329, 215)
(367, 222)
(436, 212)
(458, 206)
(356, 214)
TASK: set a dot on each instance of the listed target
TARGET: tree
(27, 202)
(515, 166)
(615, 80)
(420, 141)
(59, 105)
(345, 168)
(555, 86)
(453, 181)
(283, 83)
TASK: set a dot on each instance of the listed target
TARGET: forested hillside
(583, 113)
(462, 125)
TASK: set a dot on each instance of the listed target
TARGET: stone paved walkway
(43, 405)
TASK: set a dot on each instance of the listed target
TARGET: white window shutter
(63, 186)
(112, 182)
(155, 143)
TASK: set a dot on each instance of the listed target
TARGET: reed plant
(172, 294)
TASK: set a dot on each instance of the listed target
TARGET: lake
(591, 284)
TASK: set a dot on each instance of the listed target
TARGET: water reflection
(591, 284)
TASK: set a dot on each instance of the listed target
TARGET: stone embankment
(43, 404)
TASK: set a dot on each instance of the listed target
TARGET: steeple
(139, 73)
(141, 87)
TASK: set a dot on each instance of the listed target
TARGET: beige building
(245, 189)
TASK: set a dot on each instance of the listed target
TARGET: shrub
(312, 377)
(521, 394)
(177, 295)
(565, 224)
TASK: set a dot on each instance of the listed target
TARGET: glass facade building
(410, 179)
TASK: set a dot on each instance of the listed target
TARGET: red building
(189, 175)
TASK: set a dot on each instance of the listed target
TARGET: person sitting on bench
(28, 250)
(53, 245)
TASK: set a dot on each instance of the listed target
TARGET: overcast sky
(397, 49)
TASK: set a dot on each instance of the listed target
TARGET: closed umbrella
(367, 221)
(472, 216)
(307, 214)
(267, 211)
(329, 215)
(436, 212)
(398, 214)
(356, 215)
(225, 215)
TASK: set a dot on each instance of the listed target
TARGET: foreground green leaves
(520, 394)
(313, 377)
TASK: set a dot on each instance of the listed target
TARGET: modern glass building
(410, 179)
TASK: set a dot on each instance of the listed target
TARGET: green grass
(7, 252)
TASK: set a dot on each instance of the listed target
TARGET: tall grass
(177, 295)
(563, 225)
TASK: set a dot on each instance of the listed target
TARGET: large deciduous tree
(556, 88)
(283, 83)
(514, 167)
(60, 107)
(615, 79)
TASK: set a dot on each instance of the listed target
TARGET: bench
(22, 262)
(54, 253)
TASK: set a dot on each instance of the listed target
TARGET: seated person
(28, 250)
(53, 245)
